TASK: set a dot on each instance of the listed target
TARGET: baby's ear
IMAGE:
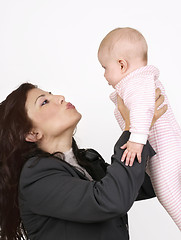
(123, 65)
(33, 136)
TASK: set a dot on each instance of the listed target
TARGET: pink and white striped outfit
(137, 90)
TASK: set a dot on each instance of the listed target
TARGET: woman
(50, 189)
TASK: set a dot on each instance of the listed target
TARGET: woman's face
(50, 114)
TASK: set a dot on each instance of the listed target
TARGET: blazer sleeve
(146, 191)
(49, 189)
(97, 168)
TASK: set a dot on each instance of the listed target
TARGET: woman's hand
(124, 112)
(159, 99)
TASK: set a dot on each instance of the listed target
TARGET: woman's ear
(123, 65)
(33, 136)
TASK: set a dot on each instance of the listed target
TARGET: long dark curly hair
(14, 152)
(14, 125)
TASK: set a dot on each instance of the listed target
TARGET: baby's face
(111, 66)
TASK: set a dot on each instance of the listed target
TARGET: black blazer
(57, 202)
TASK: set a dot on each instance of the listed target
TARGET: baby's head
(122, 51)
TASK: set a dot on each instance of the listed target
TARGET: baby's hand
(132, 150)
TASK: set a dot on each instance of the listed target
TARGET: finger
(132, 160)
(128, 158)
(124, 146)
(120, 100)
(159, 101)
(124, 155)
(157, 93)
(139, 157)
(161, 111)
(120, 103)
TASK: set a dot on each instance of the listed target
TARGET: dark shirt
(59, 202)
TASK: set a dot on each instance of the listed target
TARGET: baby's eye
(45, 102)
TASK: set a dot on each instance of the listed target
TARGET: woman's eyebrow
(42, 95)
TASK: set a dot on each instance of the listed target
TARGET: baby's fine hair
(131, 36)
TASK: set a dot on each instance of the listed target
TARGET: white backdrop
(53, 44)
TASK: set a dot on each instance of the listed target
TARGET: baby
(123, 55)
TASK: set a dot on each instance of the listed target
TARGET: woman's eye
(44, 102)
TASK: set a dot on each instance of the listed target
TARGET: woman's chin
(78, 118)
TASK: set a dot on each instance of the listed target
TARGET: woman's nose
(61, 99)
